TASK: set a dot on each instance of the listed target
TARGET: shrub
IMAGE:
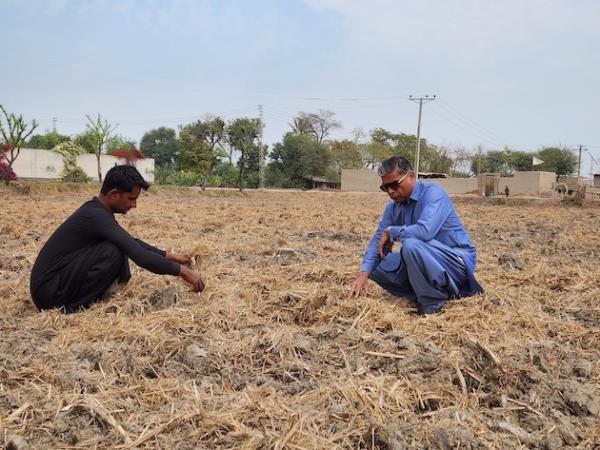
(166, 175)
(74, 174)
(6, 172)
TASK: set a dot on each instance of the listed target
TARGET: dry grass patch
(274, 355)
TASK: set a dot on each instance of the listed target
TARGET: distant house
(315, 182)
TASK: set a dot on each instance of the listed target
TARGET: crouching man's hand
(192, 278)
(179, 259)
(360, 284)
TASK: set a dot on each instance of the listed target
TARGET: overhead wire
(472, 132)
(467, 120)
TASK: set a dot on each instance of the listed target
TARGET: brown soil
(274, 355)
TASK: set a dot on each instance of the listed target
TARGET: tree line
(213, 151)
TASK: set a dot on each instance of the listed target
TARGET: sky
(521, 74)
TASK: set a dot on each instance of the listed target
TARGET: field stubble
(274, 355)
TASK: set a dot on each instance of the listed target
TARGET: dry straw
(274, 355)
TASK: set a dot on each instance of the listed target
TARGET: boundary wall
(46, 164)
(521, 183)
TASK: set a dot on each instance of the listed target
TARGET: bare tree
(318, 125)
(461, 157)
(322, 123)
(100, 131)
(14, 131)
(358, 134)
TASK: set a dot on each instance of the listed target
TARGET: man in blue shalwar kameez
(437, 259)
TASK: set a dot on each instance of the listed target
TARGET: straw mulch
(274, 355)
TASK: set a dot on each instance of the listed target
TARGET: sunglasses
(393, 185)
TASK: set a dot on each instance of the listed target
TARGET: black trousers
(81, 278)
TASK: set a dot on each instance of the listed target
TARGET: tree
(478, 162)
(162, 145)
(47, 141)
(202, 145)
(299, 155)
(119, 142)
(318, 125)
(520, 161)
(374, 152)
(345, 155)
(242, 136)
(99, 131)
(301, 124)
(14, 131)
(86, 141)
(561, 161)
(461, 158)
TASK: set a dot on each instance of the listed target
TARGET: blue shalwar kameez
(437, 259)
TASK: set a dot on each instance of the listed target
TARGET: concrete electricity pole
(579, 162)
(261, 152)
(420, 100)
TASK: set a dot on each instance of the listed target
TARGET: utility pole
(579, 162)
(261, 152)
(54, 124)
(420, 100)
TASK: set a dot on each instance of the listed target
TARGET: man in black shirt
(90, 250)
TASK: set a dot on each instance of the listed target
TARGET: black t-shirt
(90, 225)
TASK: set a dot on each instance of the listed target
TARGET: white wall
(36, 163)
(520, 183)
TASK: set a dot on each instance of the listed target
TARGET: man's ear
(113, 193)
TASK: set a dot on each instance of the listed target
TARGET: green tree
(99, 132)
(301, 124)
(47, 141)
(86, 141)
(242, 136)
(14, 131)
(119, 142)
(299, 155)
(561, 161)
(374, 152)
(520, 161)
(478, 161)
(345, 155)
(202, 146)
(162, 145)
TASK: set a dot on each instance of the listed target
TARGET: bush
(6, 172)
(224, 175)
(184, 178)
(167, 175)
(74, 174)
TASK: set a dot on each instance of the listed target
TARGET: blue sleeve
(371, 257)
(436, 209)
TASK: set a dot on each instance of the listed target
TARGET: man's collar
(416, 192)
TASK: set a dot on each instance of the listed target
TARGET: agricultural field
(274, 355)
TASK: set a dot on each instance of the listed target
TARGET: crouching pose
(437, 259)
(90, 251)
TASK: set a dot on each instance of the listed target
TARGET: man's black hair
(123, 178)
(402, 165)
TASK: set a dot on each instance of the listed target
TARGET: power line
(476, 134)
(465, 119)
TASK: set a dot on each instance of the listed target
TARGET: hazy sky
(518, 73)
